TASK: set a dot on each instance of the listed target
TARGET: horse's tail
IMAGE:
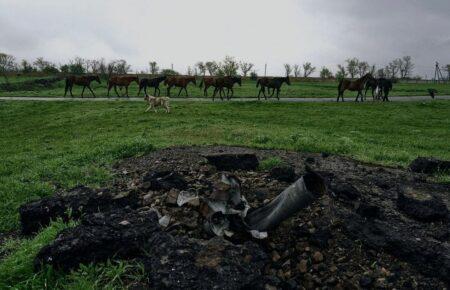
(257, 82)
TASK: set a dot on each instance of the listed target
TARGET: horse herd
(378, 86)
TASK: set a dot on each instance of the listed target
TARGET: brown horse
(208, 82)
(84, 81)
(354, 86)
(228, 83)
(179, 81)
(121, 81)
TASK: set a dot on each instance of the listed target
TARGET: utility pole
(265, 69)
(438, 74)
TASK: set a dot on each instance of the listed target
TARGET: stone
(318, 257)
(303, 266)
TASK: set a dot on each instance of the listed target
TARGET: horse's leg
(70, 90)
(278, 94)
(232, 94)
(82, 92)
(179, 93)
(185, 89)
(168, 91)
(66, 89)
(89, 87)
(126, 91)
(214, 93)
(117, 93)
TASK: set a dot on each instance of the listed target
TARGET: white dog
(154, 102)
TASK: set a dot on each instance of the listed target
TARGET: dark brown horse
(180, 82)
(84, 81)
(226, 82)
(121, 81)
(153, 83)
(354, 86)
(271, 83)
(207, 82)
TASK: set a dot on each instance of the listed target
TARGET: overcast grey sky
(182, 32)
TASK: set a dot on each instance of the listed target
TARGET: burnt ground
(377, 227)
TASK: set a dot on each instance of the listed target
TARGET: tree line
(400, 68)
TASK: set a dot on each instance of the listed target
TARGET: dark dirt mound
(367, 231)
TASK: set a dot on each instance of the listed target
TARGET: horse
(385, 86)
(84, 81)
(208, 82)
(179, 81)
(371, 84)
(228, 83)
(121, 81)
(357, 85)
(153, 83)
(271, 83)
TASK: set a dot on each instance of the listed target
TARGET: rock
(429, 165)
(164, 180)
(283, 173)
(147, 199)
(275, 256)
(318, 257)
(78, 200)
(230, 161)
(172, 197)
(427, 209)
(303, 266)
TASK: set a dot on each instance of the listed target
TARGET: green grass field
(49, 145)
(299, 89)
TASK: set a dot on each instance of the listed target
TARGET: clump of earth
(374, 227)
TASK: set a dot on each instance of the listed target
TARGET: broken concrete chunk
(297, 196)
(164, 221)
(429, 165)
(421, 207)
(188, 197)
(80, 200)
(172, 197)
(229, 161)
